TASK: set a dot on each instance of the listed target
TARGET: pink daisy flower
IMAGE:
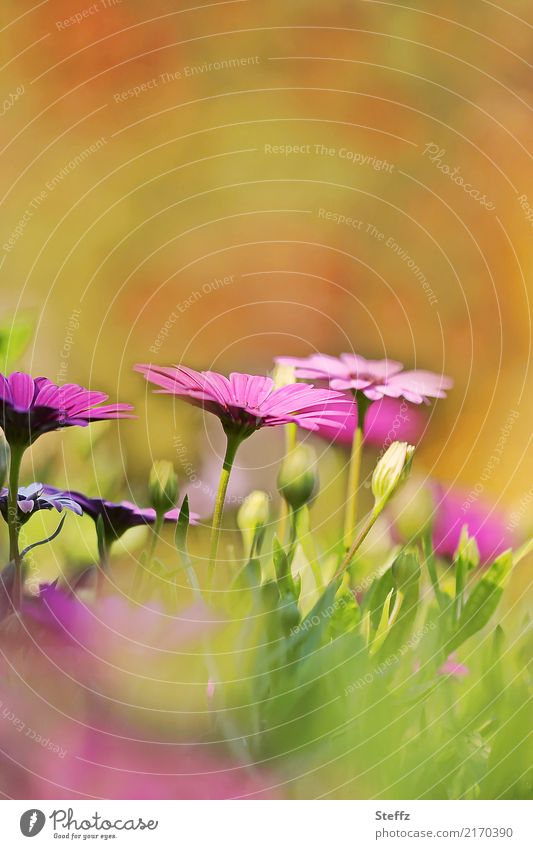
(30, 407)
(366, 381)
(376, 379)
(244, 403)
(247, 402)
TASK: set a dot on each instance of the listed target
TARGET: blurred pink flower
(385, 421)
(488, 525)
(374, 378)
(112, 624)
(452, 667)
(50, 753)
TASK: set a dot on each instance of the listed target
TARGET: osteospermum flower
(31, 406)
(374, 378)
(243, 401)
(119, 517)
(367, 381)
(36, 497)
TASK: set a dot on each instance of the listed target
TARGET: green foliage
(15, 336)
(482, 601)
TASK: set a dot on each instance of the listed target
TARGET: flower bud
(298, 476)
(163, 486)
(283, 376)
(391, 470)
(253, 516)
(467, 549)
(405, 570)
(254, 511)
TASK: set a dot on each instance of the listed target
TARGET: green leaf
(249, 577)
(347, 615)
(281, 563)
(483, 601)
(443, 599)
(310, 632)
(375, 598)
(388, 617)
(406, 574)
(283, 572)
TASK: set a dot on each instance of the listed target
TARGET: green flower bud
(254, 511)
(283, 376)
(253, 516)
(298, 476)
(405, 570)
(467, 549)
(390, 472)
(163, 486)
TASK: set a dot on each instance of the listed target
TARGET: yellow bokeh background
(194, 162)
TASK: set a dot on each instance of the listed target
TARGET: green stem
(234, 440)
(15, 460)
(103, 567)
(352, 492)
(293, 535)
(360, 538)
(156, 531)
(291, 435)
(140, 570)
(459, 587)
(429, 558)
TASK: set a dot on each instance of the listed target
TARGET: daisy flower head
(375, 379)
(246, 402)
(36, 497)
(119, 517)
(31, 406)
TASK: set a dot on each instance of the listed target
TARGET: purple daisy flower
(376, 379)
(30, 407)
(119, 517)
(247, 402)
(36, 497)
